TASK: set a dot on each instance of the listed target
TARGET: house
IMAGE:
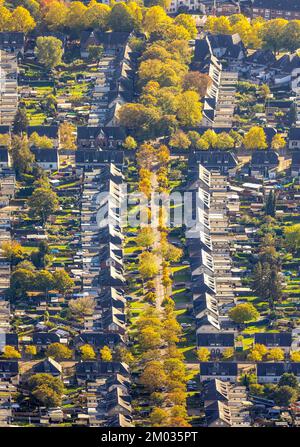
(227, 371)
(5, 159)
(264, 164)
(89, 137)
(113, 41)
(8, 339)
(47, 159)
(261, 59)
(273, 9)
(278, 109)
(223, 161)
(97, 339)
(295, 165)
(118, 402)
(51, 132)
(120, 420)
(93, 158)
(222, 46)
(43, 339)
(48, 366)
(294, 138)
(9, 370)
(270, 372)
(281, 340)
(12, 41)
(93, 370)
(215, 342)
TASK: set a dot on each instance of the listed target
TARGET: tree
(67, 136)
(170, 252)
(22, 157)
(225, 141)
(75, 19)
(289, 379)
(180, 140)
(257, 353)
(270, 207)
(189, 109)
(120, 18)
(55, 15)
(153, 378)
(291, 36)
(278, 142)
(106, 355)
(30, 350)
(273, 35)
(145, 237)
(211, 137)
(59, 351)
(82, 307)
(285, 395)
(188, 22)
(148, 265)
(264, 91)
(87, 352)
(292, 237)
(13, 251)
(243, 313)
(97, 15)
(255, 138)
(295, 356)
(40, 142)
(22, 279)
(20, 121)
(49, 51)
(145, 156)
(21, 20)
(62, 281)
(149, 338)
(10, 352)
(95, 52)
(130, 143)
(159, 417)
(46, 389)
(275, 354)
(138, 118)
(42, 203)
(228, 353)
(5, 18)
(196, 81)
(203, 354)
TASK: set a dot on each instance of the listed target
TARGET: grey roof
(218, 368)
(44, 131)
(277, 368)
(91, 133)
(213, 159)
(3, 154)
(49, 366)
(262, 57)
(7, 366)
(294, 133)
(274, 338)
(4, 130)
(264, 158)
(296, 158)
(279, 5)
(11, 39)
(97, 339)
(45, 155)
(216, 340)
(100, 369)
(44, 338)
(99, 157)
(112, 38)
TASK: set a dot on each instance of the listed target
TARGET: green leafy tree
(42, 203)
(243, 313)
(49, 51)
